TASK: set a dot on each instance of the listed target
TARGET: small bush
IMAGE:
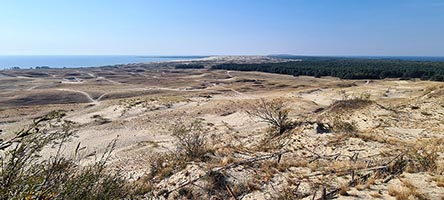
(216, 181)
(424, 155)
(190, 140)
(274, 112)
(288, 193)
(345, 127)
(165, 164)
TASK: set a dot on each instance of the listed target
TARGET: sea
(26, 62)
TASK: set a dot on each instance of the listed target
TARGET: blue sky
(222, 27)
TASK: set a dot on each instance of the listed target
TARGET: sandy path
(229, 74)
(81, 92)
(33, 87)
(323, 97)
(109, 80)
(101, 96)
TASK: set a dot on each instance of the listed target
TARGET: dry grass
(142, 186)
(164, 165)
(288, 193)
(376, 195)
(360, 187)
(246, 186)
(268, 169)
(346, 105)
(190, 140)
(424, 155)
(218, 186)
(286, 164)
(371, 181)
(405, 191)
(337, 139)
(366, 136)
(344, 190)
(344, 127)
(24, 174)
(439, 180)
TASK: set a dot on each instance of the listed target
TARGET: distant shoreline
(87, 61)
(56, 61)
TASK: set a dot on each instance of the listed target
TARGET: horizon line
(221, 55)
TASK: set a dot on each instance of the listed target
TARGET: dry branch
(229, 166)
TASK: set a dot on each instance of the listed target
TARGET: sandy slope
(139, 111)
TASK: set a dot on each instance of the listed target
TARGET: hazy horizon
(221, 55)
(203, 27)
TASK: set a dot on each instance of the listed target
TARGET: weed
(405, 191)
(24, 174)
(190, 140)
(274, 112)
(345, 127)
(424, 155)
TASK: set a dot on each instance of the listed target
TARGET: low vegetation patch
(424, 156)
(25, 174)
(405, 191)
(190, 140)
(99, 119)
(345, 127)
(274, 112)
(348, 103)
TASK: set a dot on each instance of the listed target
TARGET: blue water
(8, 62)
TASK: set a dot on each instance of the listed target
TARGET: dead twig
(229, 166)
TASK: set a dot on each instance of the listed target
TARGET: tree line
(348, 68)
(189, 66)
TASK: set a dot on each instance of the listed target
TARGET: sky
(222, 27)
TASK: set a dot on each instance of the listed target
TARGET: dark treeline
(349, 68)
(189, 66)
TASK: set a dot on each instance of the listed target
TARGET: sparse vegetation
(164, 165)
(345, 127)
(354, 147)
(190, 140)
(348, 102)
(274, 112)
(99, 119)
(424, 155)
(217, 184)
(288, 193)
(439, 179)
(24, 174)
(405, 191)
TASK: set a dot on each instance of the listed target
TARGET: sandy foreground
(138, 104)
